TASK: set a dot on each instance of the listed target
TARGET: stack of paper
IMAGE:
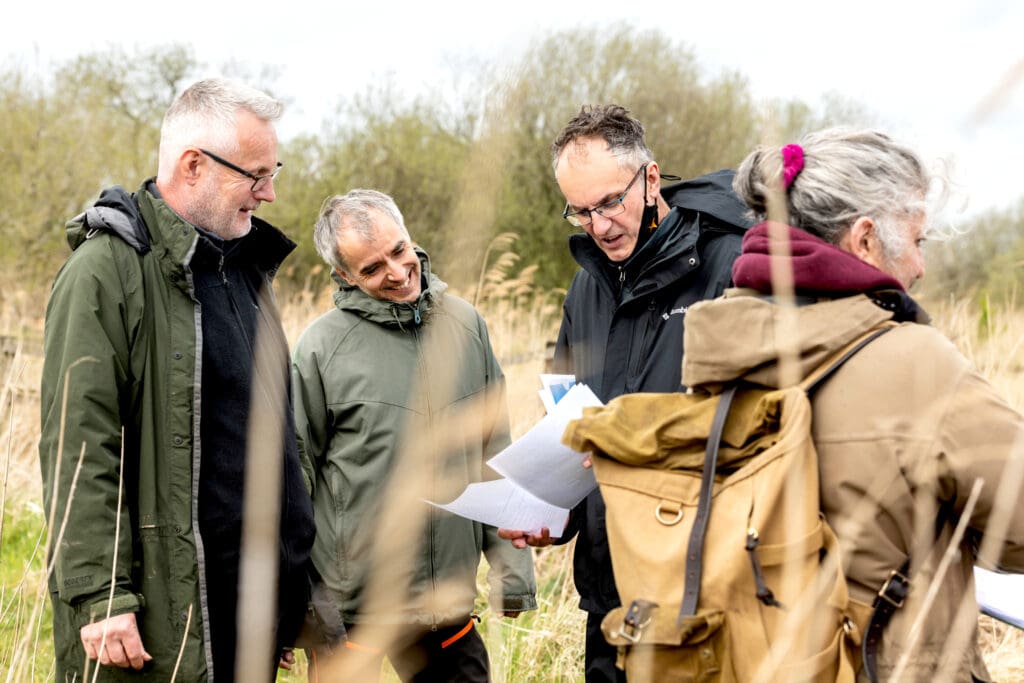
(543, 480)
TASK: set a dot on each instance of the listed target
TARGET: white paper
(543, 479)
(541, 464)
(1000, 596)
(554, 387)
(502, 504)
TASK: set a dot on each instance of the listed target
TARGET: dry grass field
(541, 646)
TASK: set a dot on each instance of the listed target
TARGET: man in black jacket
(643, 263)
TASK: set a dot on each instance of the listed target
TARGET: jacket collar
(655, 264)
(145, 221)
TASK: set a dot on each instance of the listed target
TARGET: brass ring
(669, 522)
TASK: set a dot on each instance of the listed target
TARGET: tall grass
(545, 645)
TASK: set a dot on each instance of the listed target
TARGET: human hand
(122, 646)
(287, 660)
(521, 539)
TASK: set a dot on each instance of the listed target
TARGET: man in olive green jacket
(149, 339)
(399, 398)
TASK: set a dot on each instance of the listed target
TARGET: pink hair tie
(792, 163)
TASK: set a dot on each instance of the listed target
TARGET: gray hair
(206, 115)
(847, 174)
(612, 123)
(356, 211)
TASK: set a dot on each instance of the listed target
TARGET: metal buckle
(637, 618)
(901, 589)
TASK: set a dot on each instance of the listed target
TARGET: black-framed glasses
(584, 217)
(258, 181)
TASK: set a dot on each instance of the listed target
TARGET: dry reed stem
(113, 563)
(261, 505)
(184, 640)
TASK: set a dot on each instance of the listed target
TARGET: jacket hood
(115, 212)
(743, 334)
(391, 313)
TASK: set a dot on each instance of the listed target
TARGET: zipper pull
(416, 314)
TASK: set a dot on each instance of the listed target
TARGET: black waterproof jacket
(622, 330)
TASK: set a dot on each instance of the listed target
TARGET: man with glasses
(643, 263)
(149, 383)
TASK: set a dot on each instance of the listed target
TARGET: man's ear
(862, 241)
(653, 183)
(189, 166)
(345, 276)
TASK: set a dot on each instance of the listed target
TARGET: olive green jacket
(396, 403)
(121, 353)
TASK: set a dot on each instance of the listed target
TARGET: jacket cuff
(121, 603)
(516, 603)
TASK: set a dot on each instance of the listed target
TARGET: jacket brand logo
(78, 581)
(675, 311)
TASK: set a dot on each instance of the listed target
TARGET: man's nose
(266, 193)
(599, 224)
(395, 271)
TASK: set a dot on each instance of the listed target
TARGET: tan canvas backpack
(725, 567)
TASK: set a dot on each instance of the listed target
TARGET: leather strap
(889, 599)
(695, 547)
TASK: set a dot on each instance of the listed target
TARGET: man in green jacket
(148, 385)
(399, 398)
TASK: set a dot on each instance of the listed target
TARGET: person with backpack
(150, 378)
(920, 458)
(646, 255)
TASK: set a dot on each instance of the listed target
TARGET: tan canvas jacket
(907, 424)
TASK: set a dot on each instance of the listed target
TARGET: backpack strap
(695, 546)
(890, 598)
(823, 373)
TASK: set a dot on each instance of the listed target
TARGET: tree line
(467, 160)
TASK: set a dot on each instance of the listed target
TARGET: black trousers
(454, 653)
(600, 656)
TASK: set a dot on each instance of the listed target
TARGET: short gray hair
(612, 123)
(206, 115)
(356, 211)
(847, 174)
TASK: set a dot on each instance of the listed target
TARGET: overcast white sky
(924, 67)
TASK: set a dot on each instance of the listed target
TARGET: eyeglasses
(610, 209)
(258, 181)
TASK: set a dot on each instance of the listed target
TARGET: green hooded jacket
(395, 403)
(121, 353)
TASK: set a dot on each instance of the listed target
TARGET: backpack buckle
(636, 619)
(894, 590)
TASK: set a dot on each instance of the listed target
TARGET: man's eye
(370, 271)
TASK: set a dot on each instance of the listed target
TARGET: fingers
(115, 642)
(587, 462)
(287, 659)
(522, 539)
